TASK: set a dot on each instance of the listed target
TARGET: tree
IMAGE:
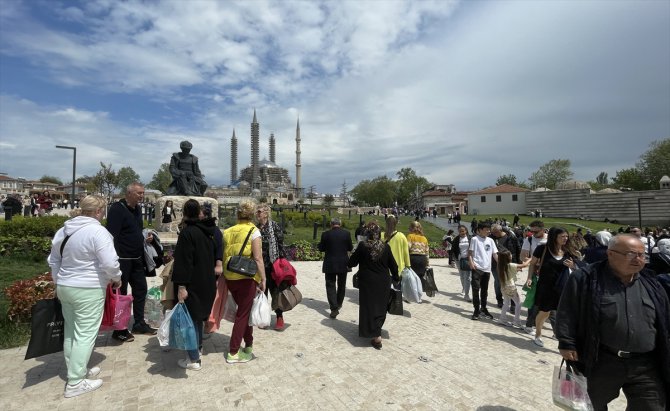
(507, 179)
(89, 183)
(162, 179)
(629, 178)
(51, 179)
(378, 191)
(654, 164)
(105, 180)
(409, 184)
(124, 177)
(328, 200)
(551, 173)
(602, 178)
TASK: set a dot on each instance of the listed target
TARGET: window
(498, 199)
(483, 199)
(515, 197)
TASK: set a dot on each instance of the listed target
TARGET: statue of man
(186, 175)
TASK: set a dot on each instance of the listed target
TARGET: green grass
(570, 224)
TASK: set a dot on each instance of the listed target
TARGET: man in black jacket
(124, 222)
(613, 322)
(336, 243)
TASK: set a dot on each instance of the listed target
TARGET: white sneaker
(93, 372)
(517, 325)
(529, 330)
(82, 387)
(187, 364)
(538, 341)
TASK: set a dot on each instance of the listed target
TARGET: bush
(437, 250)
(303, 251)
(23, 294)
(32, 227)
(27, 246)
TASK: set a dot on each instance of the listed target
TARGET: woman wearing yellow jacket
(398, 243)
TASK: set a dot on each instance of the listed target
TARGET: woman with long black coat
(193, 273)
(377, 267)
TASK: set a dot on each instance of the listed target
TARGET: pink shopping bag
(214, 321)
(123, 309)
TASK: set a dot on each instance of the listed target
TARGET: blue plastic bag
(182, 330)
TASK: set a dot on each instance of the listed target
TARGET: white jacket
(89, 259)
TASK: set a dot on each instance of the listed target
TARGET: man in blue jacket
(613, 323)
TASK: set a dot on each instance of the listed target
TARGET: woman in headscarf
(272, 242)
(598, 251)
(377, 267)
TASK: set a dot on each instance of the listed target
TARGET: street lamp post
(74, 170)
(639, 209)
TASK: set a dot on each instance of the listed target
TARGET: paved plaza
(434, 358)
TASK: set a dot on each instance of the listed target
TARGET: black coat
(336, 243)
(194, 268)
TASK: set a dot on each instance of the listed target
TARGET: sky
(462, 92)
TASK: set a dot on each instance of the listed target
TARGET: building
(445, 199)
(502, 199)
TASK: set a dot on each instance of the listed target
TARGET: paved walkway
(434, 358)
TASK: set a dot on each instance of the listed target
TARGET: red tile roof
(505, 188)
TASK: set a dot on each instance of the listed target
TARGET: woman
(418, 249)
(45, 202)
(598, 251)
(242, 288)
(554, 257)
(168, 212)
(34, 205)
(398, 243)
(272, 241)
(193, 274)
(460, 246)
(377, 267)
(83, 261)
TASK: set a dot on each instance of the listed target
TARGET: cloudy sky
(460, 91)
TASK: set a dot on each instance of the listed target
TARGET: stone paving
(434, 358)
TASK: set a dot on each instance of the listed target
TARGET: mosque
(262, 178)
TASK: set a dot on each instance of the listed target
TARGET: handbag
(569, 389)
(429, 280)
(395, 302)
(354, 280)
(529, 301)
(47, 329)
(288, 298)
(243, 265)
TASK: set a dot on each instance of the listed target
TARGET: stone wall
(622, 207)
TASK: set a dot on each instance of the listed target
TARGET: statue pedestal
(178, 205)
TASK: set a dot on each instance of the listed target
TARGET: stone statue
(186, 175)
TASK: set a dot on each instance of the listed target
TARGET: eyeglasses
(631, 255)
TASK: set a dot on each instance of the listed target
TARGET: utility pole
(311, 195)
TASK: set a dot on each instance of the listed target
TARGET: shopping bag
(123, 310)
(153, 309)
(529, 301)
(395, 302)
(163, 333)
(569, 389)
(230, 309)
(109, 310)
(261, 315)
(182, 330)
(411, 286)
(46, 329)
(429, 286)
(288, 298)
(214, 321)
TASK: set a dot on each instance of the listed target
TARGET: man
(647, 240)
(538, 236)
(187, 178)
(482, 250)
(336, 243)
(124, 222)
(503, 241)
(613, 321)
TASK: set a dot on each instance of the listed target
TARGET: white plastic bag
(164, 330)
(569, 389)
(411, 286)
(261, 314)
(230, 310)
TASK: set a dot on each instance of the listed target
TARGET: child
(507, 271)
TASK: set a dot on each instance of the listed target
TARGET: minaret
(233, 159)
(272, 147)
(254, 152)
(298, 177)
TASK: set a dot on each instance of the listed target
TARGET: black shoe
(123, 336)
(143, 328)
(334, 313)
(475, 317)
(487, 314)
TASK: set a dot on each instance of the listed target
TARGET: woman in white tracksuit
(83, 261)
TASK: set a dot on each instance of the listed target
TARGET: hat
(603, 237)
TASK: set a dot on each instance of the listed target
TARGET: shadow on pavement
(348, 331)
(164, 360)
(319, 306)
(522, 343)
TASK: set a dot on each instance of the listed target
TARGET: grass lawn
(570, 224)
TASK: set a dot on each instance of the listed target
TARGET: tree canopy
(105, 179)
(385, 192)
(124, 177)
(551, 173)
(162, 179)
(51, 179)
(654, 164)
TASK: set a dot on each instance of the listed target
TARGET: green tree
(162, 179)
(655, 163)
(378, 191)
(409, 184)
(124, 177)
(602, 178)
(51, 179)
(507, 179)
(629, 178)
(328, 200)
(89, 184)
(105, 179)
(551, 173)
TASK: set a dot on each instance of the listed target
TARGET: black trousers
(639, 377)
(335, 293)
(132, 272)
(480, 286)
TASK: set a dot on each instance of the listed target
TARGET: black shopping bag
(429, 287)
(46, 329)
(395, 302)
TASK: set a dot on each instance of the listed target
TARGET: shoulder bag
(243, 265)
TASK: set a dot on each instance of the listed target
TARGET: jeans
(336, 294)
(132, 272)
(465, 281)
(517, 308)
(82, 312)
(480, 284)
(243, 292)
(194, 355)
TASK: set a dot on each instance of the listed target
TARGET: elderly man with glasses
(613, 323)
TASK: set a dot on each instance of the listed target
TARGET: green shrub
(28, 246)
(32, 227)
(303, 250)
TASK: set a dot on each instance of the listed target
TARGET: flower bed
(23, 294)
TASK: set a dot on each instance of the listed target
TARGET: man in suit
(336, 243)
